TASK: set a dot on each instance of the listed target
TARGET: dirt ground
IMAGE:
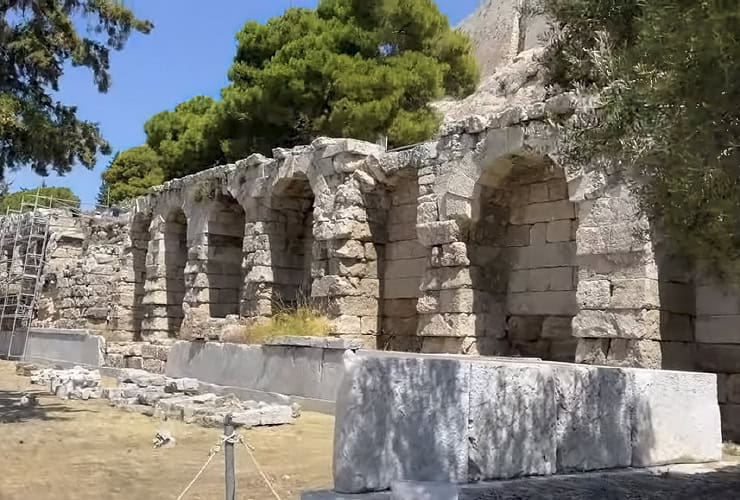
(86, 450)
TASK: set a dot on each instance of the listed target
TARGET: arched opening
(401, 261)
(175, 259)
(523, 261)
(140, 228)
(224, 238)
(290, 233)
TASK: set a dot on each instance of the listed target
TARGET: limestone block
(454, 207)
(438, 233)
(135, 362)
(559, 231)
(557, 327)
(643, 324)
(350, 249)
(353, 305)
(635, 294)
(447, 325)
(153, 365)
(594, 406)
(115, 360)
(461, 300)
(592, 351)
(387, 408)
(512, 420)
(518, 236)
(718, 329)
(538, 192)
(447, 278)
(454, 254)
(347, 325)
(537, 233)
(676, 418)
(594, 294)
(405, 268)
(543, 212)
(518, 281)
(713, 300)
(635, 353)
(553, 303)
(548, 255)
(399, 288)
(405, 250)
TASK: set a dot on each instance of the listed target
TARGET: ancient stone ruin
(477, 242)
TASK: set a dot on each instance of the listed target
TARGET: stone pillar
(347, 238)
(635, 308)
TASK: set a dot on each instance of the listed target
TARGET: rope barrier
(259, 469)
(233, 438)
(212, 453)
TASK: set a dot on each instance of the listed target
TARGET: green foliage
(183, 139)
(349, 68)
(37, 39)
(103, 198)
(132, 173)
(668, 74)
(48, 197)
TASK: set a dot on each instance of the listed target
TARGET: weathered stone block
(559, 231)
(512, 420)
(438, 233)
(594, 407)
(642, 324)
(400, 288)
(676, 418)
(381, 402)
(557, 327)
(543, 212)
(135, 362)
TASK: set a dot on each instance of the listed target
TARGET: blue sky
(187, 54)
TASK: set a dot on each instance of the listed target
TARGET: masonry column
(347, 238)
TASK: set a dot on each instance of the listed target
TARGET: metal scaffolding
(24, 235)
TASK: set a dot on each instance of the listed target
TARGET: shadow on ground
(714, 485)
(11, 410)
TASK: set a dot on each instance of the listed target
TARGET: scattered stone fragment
(163, 439)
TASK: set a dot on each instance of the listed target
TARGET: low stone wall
(51, 345)
(467, 419)
(139, 355)
(304, 370)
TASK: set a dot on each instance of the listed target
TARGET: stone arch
(224, 240)
(522, 253)
(278, 248)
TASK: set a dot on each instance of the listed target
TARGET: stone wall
(718, 346)
(476, 242)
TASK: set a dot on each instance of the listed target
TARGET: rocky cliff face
(501, 29)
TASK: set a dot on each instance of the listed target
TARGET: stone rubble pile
(76, 383)
(180, 399)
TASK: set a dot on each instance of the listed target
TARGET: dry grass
(64, 450)
(304, 321)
